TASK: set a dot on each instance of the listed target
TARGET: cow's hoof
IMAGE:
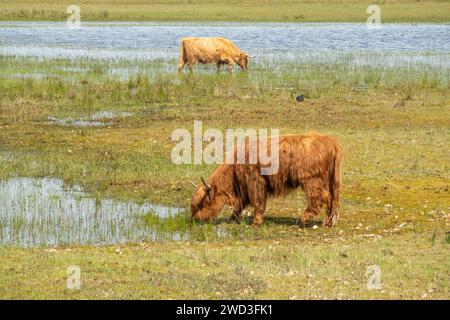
(306, 217)
(257, 221)
(330, 221)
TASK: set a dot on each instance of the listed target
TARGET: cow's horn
(195, 186)
(207, 186)
(252, 56)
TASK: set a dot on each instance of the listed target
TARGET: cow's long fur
(311, 161)
(211, 50)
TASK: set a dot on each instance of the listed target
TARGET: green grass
(394, 126)
(216, 10)
(307, 267)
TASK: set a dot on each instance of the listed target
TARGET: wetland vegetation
(100, 129)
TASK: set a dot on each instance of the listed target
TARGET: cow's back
(208, 49)
(302, 157)
(311, 150)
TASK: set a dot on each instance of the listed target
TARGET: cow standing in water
(211, 50)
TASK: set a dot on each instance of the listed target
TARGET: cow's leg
(326, 200)
(315, 197)
(230, 65)
(258, 198)
(238, 205)
(218, 65)
(181, 64)
(236, 216)
(190, 65)
(228, 62)
(258, 217)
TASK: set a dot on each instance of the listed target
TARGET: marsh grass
(400, 107)
(326, 69)
(392, 121)
(174, 227)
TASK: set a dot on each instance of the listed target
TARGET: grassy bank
(393, 124)
(215, 10)
(391, 119)
(312, 266)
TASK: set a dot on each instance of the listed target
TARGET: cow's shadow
(290, 221)
(268, 220)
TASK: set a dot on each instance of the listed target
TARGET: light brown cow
(211, 50)
(311, 161)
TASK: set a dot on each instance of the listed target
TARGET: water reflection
(43, 212)
(93, 121)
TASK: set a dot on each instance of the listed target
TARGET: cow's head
(205, 205)
(243, 60)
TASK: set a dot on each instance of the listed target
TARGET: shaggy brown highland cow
(220, 51)
(312, 161)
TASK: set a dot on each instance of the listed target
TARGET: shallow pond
(151, 40)
(92, 121)
(44, 212)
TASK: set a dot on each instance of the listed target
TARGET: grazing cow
(311, 161)
(211, 50)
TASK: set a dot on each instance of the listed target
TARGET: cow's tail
(182, 55)
(335, 186)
